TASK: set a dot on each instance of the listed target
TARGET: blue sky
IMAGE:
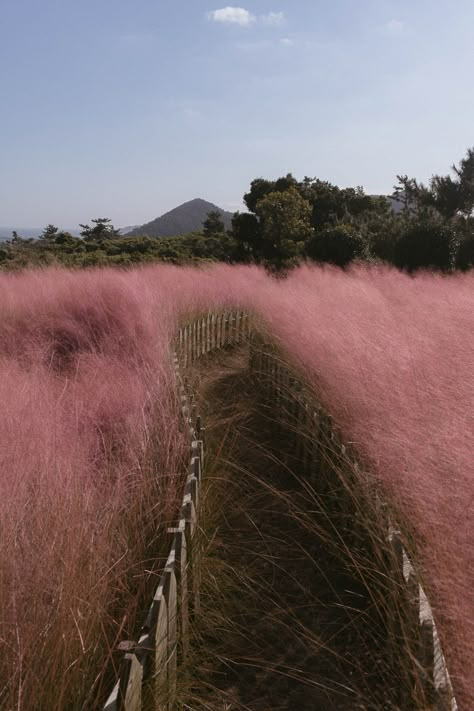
(125, 108)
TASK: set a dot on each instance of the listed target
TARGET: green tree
(427, 243)
(247, 233)
(259, 188)
(446, 195)
(213, 224)
(337, 245)
(285, 219)
(101, 231)
(407, 192)
(16, 239)
(465, 177)
(49, 233)
(465, 254)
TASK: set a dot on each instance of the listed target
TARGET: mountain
(396, 205)
(186, 218)
(129, 228)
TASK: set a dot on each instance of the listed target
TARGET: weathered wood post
(170, 594)
(213, 332)
(177, 560)
(194, 341)
(220, 323)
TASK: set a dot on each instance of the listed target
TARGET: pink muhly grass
(392, 359)
(87, 392)
(87, 384)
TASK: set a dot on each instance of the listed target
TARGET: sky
(127, 108)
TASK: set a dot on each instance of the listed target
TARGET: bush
(426, 243)
(465, 255)
(336, 245)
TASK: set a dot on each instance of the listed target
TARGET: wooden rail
(294, 408)
(150, 667)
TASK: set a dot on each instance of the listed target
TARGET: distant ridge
(129, 228)
(30, 232)
(183, 219)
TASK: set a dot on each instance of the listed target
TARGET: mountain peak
(183, 219)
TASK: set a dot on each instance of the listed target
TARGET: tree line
(290, 221)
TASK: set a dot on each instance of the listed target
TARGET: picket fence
(150, 668)
(318, 445)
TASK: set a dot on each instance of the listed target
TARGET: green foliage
(465, 176)
(407, 193)
(337, 245)
(426, 243)
(285, 223)
(288, 220)
(16, 239)
(259, 188)
(49, 233)
(247, 233)
(102, 230)
(465, 255)
(213, 224)
(445, 196)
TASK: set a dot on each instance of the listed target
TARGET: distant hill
(396, 205)
(30, 232)
(26, 232)
(129, 228)
(182, 220)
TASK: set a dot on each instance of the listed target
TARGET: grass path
(285, 623)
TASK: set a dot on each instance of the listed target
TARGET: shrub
(465, 254)
(426, 243)
(335, 245)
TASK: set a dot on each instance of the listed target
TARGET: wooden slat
(203, 337)
(160, 660)
(130, 686)
(179, 559)
(170, 594)
(212, 332)
(112, 703)
(193, 571)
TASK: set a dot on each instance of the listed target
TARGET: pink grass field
(90, 442)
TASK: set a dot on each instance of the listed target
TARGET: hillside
(186, 218)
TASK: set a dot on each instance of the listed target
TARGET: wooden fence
(150, 667)
(293, 408)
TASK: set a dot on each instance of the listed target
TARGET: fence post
(178, 560)
(212, 334)
(170, 596)
(190, 517)
(238, 326)
(130, 684)
(220, 319)
(160, 662)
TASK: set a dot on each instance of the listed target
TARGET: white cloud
(240, 16)
(394, 27)
(273, 18)
(232, 16)
(287, 42)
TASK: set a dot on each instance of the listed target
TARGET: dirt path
(285, 623)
